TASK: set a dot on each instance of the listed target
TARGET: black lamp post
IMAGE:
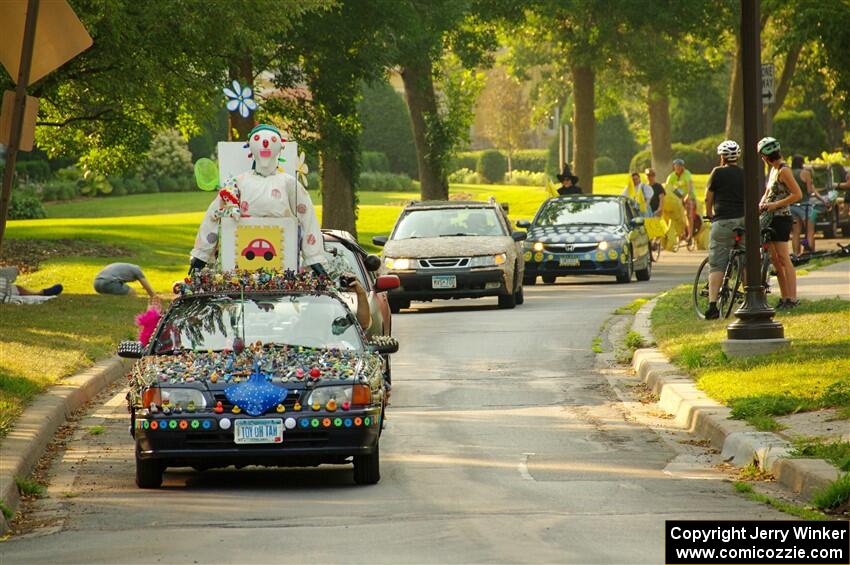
(755, 317)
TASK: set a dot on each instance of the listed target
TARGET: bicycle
(730, 292)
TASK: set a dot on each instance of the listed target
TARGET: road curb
(30, 434)
(739, 443)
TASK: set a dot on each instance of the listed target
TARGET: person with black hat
(569, 182)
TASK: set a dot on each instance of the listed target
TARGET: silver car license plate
(443, 281)
(268, 430)
(569, 262)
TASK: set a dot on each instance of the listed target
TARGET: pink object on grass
(147, 322)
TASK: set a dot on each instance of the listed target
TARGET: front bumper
(609, 262)
(471, 283)
(317, 437)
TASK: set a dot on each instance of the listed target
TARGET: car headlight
(488, 260)
(321, 395)
(397, 263)
(603, 245)
(537, 246)
(183, 396)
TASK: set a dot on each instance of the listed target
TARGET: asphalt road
(506, 443)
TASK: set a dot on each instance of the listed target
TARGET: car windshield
(213, 323)
(442, 222)
(580, 211)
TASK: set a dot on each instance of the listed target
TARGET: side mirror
(383, 344)
(637, 222)
(131, 349)
(519, 235)
(523, 224)
(380, 240)
(387, 282)
(372, 262)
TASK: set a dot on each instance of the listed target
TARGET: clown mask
(265, 143)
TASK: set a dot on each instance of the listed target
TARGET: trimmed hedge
(604, 166)
(25, 205)
(695, 160)
(799, 133)
(533, 160)
(385, 182)
(375, 162)
(708, 147)
(492, 166)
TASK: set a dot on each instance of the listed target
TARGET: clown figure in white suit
(263, 192)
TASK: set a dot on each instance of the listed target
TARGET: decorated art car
(257, 368)
(453, 249)
(586, 235)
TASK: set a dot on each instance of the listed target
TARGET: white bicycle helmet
(768, 145)
(729, 150)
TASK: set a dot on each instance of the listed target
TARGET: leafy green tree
(504, 113)
(386, 126)
(616, 142)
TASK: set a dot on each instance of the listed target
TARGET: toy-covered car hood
(290, 367)
(576, 233)
(448, 246)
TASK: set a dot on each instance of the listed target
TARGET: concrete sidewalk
(829, 282)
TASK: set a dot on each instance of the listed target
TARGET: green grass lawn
(42, 344)
(814, 373)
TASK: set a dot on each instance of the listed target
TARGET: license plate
(569, 262)
(444, 281)
(258, 431)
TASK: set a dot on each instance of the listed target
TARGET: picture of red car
(259, 248)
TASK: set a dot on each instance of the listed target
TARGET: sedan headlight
(603, 245)
(183, 396)
(537, 246)
(488, 260)
(397, 263)
(322, 394)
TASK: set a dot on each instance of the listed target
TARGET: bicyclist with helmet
(724, 203)
(782, 191)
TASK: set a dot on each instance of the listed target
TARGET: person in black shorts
(782, 191)
(658, 192)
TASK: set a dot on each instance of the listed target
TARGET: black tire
(729, 295)
(548, 279)
(250, 256)
(699, 294)
(148, 473)
(645, 274)
(845, 229)
(367, 468)
(529, 281)
(507, 301)
(268, 255)
(398, 305)
(520, 296)
(625, 278)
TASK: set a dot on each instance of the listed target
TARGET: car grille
(444, 263)
(288, 402)
(570, 247)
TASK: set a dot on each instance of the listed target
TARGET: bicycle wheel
(731, 290)
(765, 271)
(700, 291)
(655, 249)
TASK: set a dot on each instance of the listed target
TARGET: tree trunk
(422, 103)
(735, 104)
(510, 162)
(238, 128)
(584, 124)
(660, 135)
(337, 196)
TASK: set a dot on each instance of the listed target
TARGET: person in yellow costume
(673, 212)
(640, 193)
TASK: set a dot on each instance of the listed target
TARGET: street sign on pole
(768, 93)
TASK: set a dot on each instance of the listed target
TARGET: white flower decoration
(302, 169)
(240, 99)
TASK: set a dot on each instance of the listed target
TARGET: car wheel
(250, 256)
(529, 281)
(507, 301)
(548, 279)
(519, 296)
(645, 274)
(367, 468)
(148, 472)
(626, 277)
(398, 305)
(268, 255)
